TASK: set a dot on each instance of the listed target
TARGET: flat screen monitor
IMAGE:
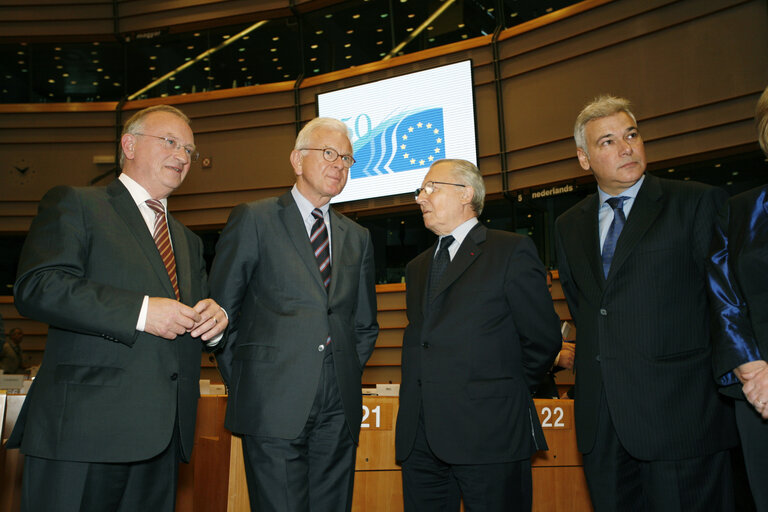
(399, 126)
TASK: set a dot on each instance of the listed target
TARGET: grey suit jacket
(105, 392)
(265, 275)
(642, 334)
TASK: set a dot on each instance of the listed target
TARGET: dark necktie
(319, 240)
(609, 246)
(163, 241)
(439, 264)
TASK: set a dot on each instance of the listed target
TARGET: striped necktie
(163, 241)
(319, 240)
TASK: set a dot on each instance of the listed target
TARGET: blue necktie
(609, 246)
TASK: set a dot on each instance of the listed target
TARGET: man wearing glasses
(482, 332)
(122, 285)
(297, 280)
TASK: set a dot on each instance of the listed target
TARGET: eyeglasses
(429, 187)
(331, 155)
(172, 144)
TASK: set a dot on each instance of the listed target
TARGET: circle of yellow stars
(430, 158)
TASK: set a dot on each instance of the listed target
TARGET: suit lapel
(127, 210)
(588, 230)
(466, 256)
(338, 235)
(422, 272)
(183, 260)
(647, 206)
(297, 232)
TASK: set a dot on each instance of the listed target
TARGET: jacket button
(425, 344)
(174, 376)
(330, 311)
(320, 348)
(604, 312)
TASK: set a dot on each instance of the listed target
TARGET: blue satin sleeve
(734, 339)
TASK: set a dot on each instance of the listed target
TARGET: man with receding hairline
(654, 432)
(122, 285)
(482, 331)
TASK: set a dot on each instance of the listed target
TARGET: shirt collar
(631, 192)
(305, 207)
(462, 230)
(138, 193)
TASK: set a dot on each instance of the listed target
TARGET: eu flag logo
(401, 143)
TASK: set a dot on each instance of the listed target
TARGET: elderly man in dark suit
(482, 332)
(297, 281)
(122, 285)
(653, 429)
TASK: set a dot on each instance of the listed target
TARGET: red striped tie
(163, 241)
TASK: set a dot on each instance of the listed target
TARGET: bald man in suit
(482, 331)
(122, 285)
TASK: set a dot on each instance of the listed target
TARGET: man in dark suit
(654, 432)
(297, 280)
(482, 331)
(113, 407)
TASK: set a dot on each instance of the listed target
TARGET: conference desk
(214, 481)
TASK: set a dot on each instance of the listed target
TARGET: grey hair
(304, 136)
(602, 106)
(761, 116)
(468, 174)
(135, 123)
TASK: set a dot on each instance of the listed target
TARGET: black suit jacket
(265, 275)
(740, 286)
(471, 357)
(643, 333)
(105, 392)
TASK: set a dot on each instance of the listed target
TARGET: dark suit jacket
(740, 286)
(265, 275)
(105, 392)
(643, 333)
(471, 357)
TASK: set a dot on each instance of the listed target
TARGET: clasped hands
(754, 379)
(169, 318)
